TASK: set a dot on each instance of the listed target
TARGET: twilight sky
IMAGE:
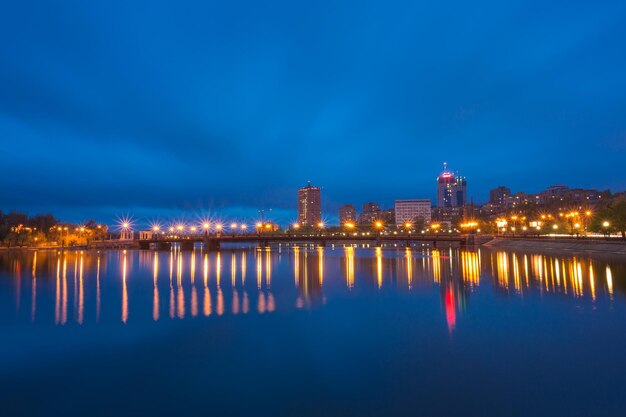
(166, 108)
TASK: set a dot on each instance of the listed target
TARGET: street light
(605, 225)
(379, 226)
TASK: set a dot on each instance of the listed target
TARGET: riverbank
(568, 245)
(31, 248)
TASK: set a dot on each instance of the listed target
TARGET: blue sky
(159, 109)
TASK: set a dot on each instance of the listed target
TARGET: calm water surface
(312, 331)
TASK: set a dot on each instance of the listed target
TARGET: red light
(450, 310)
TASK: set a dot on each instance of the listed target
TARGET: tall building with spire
(309, 206)
(451, 189)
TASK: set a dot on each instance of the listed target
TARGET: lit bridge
(214, 242)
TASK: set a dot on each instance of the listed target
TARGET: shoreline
(556, 245)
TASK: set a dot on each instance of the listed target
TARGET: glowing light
(218, 227)
(379, 225)
(320, 225)
(605, 224)
(206, 226)
(233, 225)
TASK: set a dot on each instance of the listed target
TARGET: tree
(42, 222)
(615, 214)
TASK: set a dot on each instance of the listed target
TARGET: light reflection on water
(344, 330)
(81, 283)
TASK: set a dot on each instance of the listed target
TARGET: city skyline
(286, 216)
(179, 112)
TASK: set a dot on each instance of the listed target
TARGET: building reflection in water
(309, 278)
(349, 256)
(318, 272)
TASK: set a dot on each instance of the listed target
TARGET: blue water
(312, 331)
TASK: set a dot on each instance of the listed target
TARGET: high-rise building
(451, 189)
(347, 214)
(498, 195)
(371, 212)
(309, 206)
(412, 211)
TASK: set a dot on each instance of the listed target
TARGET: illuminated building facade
(371, 212)
(347, 214)
(451, 189)
(309, 206)
(412, 211)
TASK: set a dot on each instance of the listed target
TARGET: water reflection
(319, 273)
